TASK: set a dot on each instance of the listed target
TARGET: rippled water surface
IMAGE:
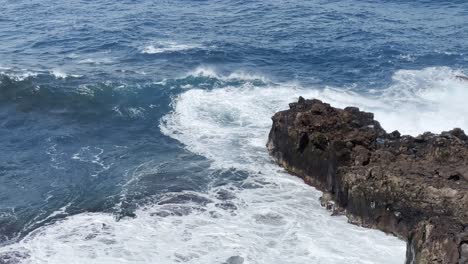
(135, 131)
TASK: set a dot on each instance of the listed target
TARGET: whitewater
(268, 216)
(135, 131)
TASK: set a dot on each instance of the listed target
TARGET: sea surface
(134, 131)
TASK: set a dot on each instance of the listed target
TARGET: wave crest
(167, 46)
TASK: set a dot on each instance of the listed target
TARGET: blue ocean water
(134, 131)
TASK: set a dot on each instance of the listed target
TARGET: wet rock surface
(412, 187)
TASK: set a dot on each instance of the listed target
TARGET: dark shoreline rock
(413, 187)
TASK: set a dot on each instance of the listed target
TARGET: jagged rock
(413, 187)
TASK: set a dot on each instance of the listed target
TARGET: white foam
(407, 57)
(281, 220)
(20, 75)
(132, 112)
(240, 75)
(274, 227)
(72, 56)
(96, 61)
(60, 74)
(431, 99)
(205, 71)
(91, 154)
(167, 46)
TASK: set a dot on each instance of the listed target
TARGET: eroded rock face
(413, 187)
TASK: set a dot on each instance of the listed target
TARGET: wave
(65, 94)
(211, 72)
(269, 216)
(19, 75)
(431, 99)
(58, 92)
(167, 46)
(416, 101)
(23, 74)
(96, 61)
(60, 74)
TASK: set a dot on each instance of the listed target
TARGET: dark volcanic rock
(413, 187)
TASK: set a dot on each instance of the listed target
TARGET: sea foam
(272, 217)
(167, 46)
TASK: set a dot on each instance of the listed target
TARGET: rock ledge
(413, 187)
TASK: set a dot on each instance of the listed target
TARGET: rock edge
(413, 187)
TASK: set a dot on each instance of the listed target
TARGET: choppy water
(135, 131)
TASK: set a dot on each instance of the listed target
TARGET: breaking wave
(167, 46)
(265, 216)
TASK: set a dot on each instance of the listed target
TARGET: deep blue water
(89, 92)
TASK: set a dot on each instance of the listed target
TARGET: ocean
(134, 131)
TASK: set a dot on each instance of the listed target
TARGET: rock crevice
(413, 187)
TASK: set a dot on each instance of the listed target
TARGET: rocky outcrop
(413, 187)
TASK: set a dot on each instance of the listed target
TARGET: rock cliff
(413, 187)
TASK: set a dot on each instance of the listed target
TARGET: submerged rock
(413, 187)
